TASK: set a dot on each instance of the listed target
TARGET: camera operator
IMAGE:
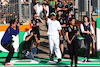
(7, 39)
(28, 47)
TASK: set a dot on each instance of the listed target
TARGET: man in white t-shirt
(54, 29)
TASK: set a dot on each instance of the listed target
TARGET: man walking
(54, 29)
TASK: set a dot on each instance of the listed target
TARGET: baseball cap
(53, 13)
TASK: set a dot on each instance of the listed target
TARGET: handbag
(81, 42)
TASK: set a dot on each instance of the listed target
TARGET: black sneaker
(88, 60)
(75, 65)
(84, 60)
(71, 63)
(63, 55)
(51, 57)
(59, 60)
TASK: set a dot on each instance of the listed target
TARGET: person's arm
(28, 37)
(68, 38)
(92, 31)
(78, 32)
(14, 32)
(34, 25)
(44, 7)
(65, 9)
(59, 29)
(40, 20)
(64, 25)
(60, 34)
(36, 38)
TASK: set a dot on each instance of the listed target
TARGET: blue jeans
(30, 55)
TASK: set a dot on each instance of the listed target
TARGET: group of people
(60, 23)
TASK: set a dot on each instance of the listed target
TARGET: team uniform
(88, 38)
(36, 29)
(73, 47)
(53, 35)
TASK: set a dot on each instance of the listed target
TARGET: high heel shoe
(71, 63)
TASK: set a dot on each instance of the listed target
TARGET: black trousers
(73, 48)
(88, 40)
(87, 51)
(10, 48)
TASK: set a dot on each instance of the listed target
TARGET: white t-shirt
(91, 27)
(53, 27)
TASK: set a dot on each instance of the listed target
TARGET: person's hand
(37, 24)
(69, 41)
(18, 24)
(90, 33)
(58, 9)
(31, 34)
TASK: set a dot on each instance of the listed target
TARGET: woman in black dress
(71, 35)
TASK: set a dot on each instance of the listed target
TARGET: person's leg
(62, 48)
(88, 51)
(10, 55)
(70, 49)
(10, 49)
(75, 47)
(31, 54)
(51, 44)
(51, 47)
(85, 51)
(56, 47)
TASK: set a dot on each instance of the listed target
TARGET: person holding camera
(29, 48)
(71, 35)
(7, 39)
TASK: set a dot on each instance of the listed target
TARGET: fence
(15, 9)
(23, 10)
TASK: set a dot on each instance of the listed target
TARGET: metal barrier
(18, 9)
